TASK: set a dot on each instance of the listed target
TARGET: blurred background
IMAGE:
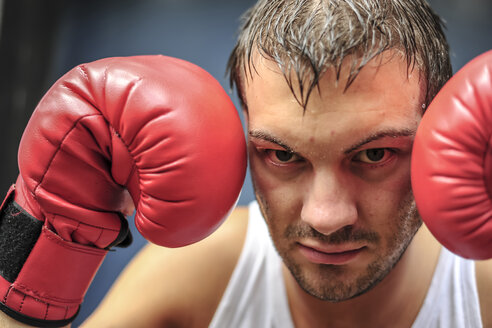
(41, 40)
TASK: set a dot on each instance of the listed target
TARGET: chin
(333, 283)
(338, 283)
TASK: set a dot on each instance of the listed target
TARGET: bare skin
(484, 286)
(322, 186)
(322, 191)
(331, 181)
(174, 287)
(165, 298)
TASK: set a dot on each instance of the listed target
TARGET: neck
(397, 299)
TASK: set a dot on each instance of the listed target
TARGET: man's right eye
(281, 157)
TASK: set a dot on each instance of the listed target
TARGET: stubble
(329, 282)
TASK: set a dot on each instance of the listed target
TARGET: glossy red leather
(158, 126)
(452, 162)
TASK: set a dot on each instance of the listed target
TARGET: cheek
(261, 181)
(279, 198)
(264, 182)
(383, 201)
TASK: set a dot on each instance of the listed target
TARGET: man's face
(333, 182)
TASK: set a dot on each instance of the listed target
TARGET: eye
(374, 155)
(281, 157)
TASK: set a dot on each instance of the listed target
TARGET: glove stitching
(44, 298)
(100, 235)
(128, 91)
(46, 313)
(52, 218)
(58, 148)
(22, 302)
(68, 85)
(134, 169)
(10, 290)
(7, 294)
(76, 247)
(101, 230)
(61, 143)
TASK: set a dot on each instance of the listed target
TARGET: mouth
(333, 256)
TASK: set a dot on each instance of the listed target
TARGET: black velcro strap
(19, 231)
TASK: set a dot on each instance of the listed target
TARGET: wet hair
(306, 37)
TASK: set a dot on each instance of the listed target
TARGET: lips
(333, 256)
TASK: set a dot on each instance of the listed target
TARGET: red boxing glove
(158, 126)
(452, 162)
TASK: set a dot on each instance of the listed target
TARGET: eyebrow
(267, 137)
(390, 133)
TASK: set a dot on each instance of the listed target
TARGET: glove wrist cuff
(53, 279)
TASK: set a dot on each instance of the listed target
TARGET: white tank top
(256, 298)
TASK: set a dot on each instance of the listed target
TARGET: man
(333, 92)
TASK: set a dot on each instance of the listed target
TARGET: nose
(329, 203)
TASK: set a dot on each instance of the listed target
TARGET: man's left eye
(373, 156)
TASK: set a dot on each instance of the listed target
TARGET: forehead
(385, 95)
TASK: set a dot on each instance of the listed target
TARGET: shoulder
(484, 285)
(175, 287)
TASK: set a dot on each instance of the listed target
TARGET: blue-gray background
(200, 31)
